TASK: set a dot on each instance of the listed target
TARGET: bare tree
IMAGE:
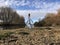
(10, 16)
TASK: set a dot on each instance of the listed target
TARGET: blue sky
(37, 8)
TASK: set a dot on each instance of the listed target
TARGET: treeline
(51, 19)
(9, 18)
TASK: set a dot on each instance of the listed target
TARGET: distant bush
(24, 33)
(50, 19)
(5, 35)
(1, 36)
(39, 23)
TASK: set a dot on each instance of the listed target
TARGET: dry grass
(36, 36)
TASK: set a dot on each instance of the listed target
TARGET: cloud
(19, 2)
(44, 5)
(2, 3)
(37, 4)
(13, 3)
(41, 7)
(35, 14)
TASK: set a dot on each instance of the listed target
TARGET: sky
(37, 8)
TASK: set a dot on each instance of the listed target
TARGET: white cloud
(38, 4)
(13, 2)
(3, 3)
(23, 3)
(19, 3)
(35, 14)
(41, 7)
(44, 5)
